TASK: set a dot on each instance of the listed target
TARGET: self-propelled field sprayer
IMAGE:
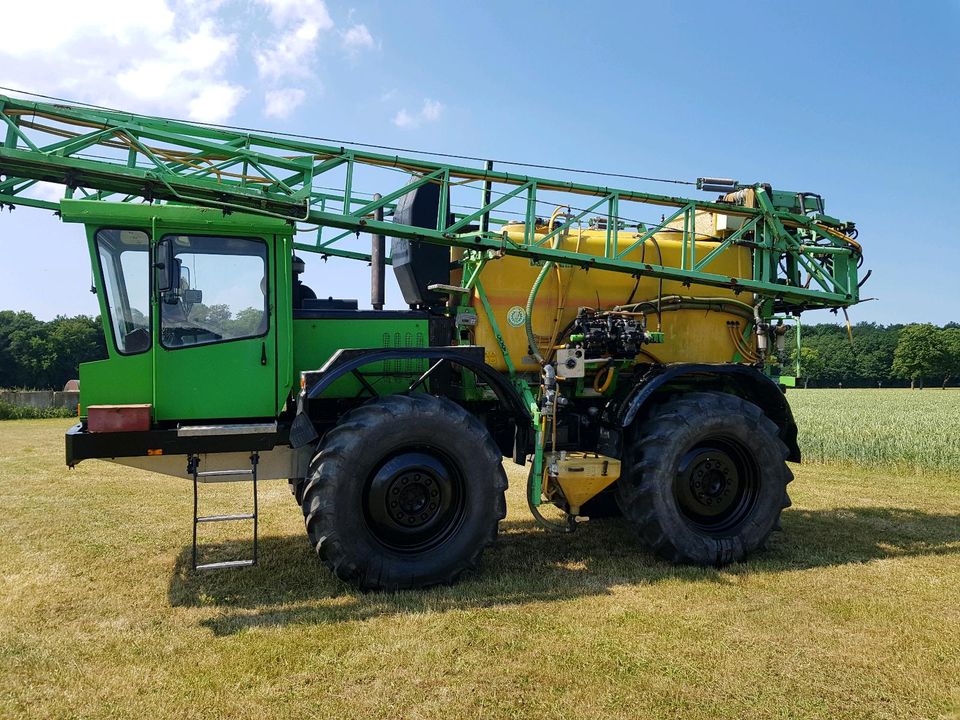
(627, 346)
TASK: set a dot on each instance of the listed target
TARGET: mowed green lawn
(854, 611)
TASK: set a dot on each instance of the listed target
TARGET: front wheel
(705, 479)
(406, 491)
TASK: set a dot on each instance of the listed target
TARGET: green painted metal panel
(288, 382)
(315, 341)
(118, 380)
(94, 212)
(229, 378)
(222, 380)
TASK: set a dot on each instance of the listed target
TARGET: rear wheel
(705, 479)
(406, 491)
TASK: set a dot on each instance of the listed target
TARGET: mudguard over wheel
(705, 479)
(406, 491)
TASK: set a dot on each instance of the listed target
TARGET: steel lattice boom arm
(802, 258)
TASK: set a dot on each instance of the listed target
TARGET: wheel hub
(715, 485)
(713, 480)
(412, 500)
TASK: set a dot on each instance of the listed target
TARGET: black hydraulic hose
(567, 527)
(679, 302)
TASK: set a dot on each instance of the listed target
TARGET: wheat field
(896, 430)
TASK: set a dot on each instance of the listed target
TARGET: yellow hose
(607, 373)
(740, 346)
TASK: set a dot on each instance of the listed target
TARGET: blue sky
(857, 101)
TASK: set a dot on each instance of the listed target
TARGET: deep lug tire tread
(332, 525)
(645, 489)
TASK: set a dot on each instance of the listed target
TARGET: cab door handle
(263, 353)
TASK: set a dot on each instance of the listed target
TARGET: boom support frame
(801, 261)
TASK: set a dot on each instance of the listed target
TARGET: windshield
(219, 292)
(124, 266)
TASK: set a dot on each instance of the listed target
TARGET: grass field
(896, 430)
(854, 611)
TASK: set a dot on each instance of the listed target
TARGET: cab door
(215, 324)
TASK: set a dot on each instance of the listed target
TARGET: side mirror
(167, 267)
(171, 274)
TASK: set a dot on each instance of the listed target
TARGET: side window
(215, 291)
(124, 257)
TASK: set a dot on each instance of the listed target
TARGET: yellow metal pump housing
(581, 476)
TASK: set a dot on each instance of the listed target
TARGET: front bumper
(83, 445)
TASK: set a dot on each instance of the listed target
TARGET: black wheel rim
(716, 485)
(414, 500)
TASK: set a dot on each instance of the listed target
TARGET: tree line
(43, 355)
(878, 355)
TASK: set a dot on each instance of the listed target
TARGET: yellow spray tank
(699, 323)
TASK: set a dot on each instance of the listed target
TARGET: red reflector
(154, 451)
(118, 418)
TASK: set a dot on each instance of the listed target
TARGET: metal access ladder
(223, 476)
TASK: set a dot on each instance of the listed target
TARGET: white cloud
(280, 103)
(298, 28)
(430, 112)
(161, 56)
(49, 26)
(175, 57)
(404, 119)
(215, 103)
(357, 38)
(286, 11)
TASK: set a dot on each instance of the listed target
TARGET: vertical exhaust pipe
(487, 198)
(377, 262)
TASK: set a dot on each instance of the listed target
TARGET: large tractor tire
(405, 492)
(705, 479)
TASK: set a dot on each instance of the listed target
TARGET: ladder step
(219, 476)
(224, 476)
(224, 518)
(225, 564)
